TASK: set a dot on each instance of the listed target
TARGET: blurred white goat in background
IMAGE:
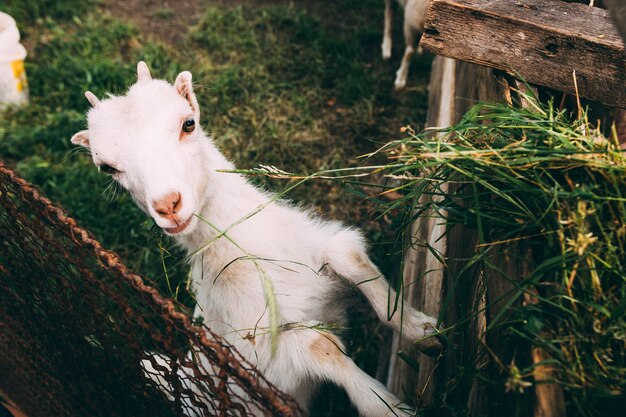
(414, 18)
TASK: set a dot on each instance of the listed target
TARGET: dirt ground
(182, 14)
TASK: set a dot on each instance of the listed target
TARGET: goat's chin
(183, 228)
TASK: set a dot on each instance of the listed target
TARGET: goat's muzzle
(168, 206)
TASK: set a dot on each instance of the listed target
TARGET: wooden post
(455, 86)
(423, 273)
(543, 41)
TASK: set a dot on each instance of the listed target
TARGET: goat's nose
(168, 205)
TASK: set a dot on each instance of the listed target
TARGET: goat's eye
(189, 125)
(108, 169)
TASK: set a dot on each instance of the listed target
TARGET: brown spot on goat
(360, 260)
(327, 347)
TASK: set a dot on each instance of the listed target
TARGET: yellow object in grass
(19, 74)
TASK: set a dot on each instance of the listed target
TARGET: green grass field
(278, 85)
(298, 85)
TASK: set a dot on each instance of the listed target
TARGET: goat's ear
(92, 99)
(185, 89)
(81, 138)
(143, 73)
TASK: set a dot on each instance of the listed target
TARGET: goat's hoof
(399, 85)
(432, 344)
(386, 48)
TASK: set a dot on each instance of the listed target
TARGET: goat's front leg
(386, 46)
(346, 256)
(310, 355)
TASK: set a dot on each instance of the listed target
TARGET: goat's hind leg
(386, 46)
(410, 37)
(321, 357)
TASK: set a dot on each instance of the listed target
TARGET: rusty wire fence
(79, 331)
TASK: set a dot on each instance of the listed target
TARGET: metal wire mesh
(81, 335)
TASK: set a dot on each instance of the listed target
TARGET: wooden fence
(482, 46)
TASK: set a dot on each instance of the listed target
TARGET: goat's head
(150, 142)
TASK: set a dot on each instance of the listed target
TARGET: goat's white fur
(309, 261)
(414, 18)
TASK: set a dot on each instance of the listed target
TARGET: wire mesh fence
(81, 335)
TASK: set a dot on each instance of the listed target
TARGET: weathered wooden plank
(454, 87)
(424, 293)
(543, 41)
(422, 272)
(506, 265)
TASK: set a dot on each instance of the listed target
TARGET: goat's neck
(227, 198)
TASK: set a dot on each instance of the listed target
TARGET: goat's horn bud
(143, 73)
(92, 99)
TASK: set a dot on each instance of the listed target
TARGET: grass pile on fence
(552, 191)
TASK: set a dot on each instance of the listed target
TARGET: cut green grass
(541, 188)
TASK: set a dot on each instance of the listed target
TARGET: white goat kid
(150, 142)
(414, 18)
